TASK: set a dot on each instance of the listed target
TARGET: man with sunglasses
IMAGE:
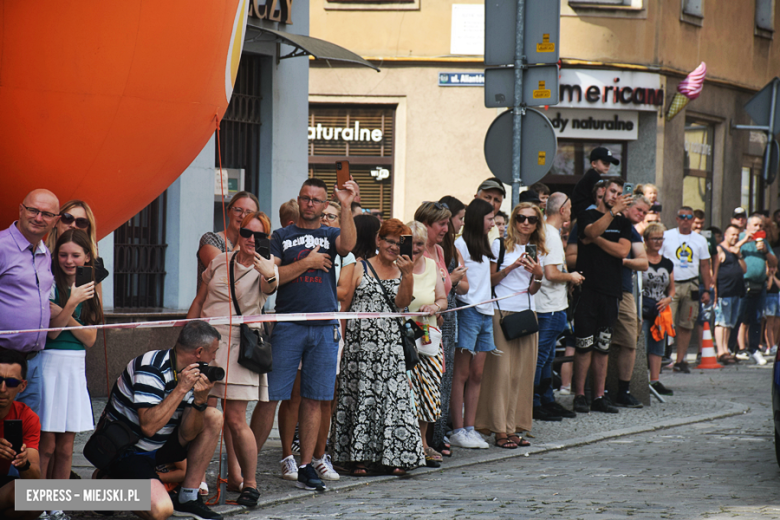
(13, 370)
(307, 286)
(690, 254)
(25, 284)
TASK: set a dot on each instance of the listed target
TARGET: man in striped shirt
(162, 397)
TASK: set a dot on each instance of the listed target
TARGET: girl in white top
(506, 401)
(475, 325)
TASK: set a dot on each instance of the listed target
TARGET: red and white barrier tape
(256, 318)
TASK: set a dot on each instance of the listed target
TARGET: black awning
(309, 46)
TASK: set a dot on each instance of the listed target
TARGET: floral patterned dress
(375, 421)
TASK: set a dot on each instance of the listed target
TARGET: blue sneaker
(309, 480)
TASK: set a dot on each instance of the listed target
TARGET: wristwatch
(270, 280)
(25, 467)
(200, 407)
(537, 281)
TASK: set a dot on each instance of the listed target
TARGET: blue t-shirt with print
(314, 290)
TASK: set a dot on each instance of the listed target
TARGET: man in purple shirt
(25, 284)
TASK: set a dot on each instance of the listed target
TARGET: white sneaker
(462, 439)
(758, 358)
(742, 355)
(204, 489)
(772, 351)
(289, 468)
(565, 390)
(478, 440)
(58, 515)
(324, 468)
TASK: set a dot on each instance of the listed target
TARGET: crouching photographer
(158, 414)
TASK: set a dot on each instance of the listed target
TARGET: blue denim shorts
(727, 312)
(652, 346)
(772, 305)
(475, 331)
(316, 347)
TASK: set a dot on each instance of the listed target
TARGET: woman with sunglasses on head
(254, 279)
(212, 244)
(506, 402)
(65, 404)
(475, 325)
(441, 219)
(374, 424)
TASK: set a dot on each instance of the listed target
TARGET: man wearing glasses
(307, 286)
(25, 284)
(26, 462)
(690, 255)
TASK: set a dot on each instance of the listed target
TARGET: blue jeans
(31, 396)
(751, 309)
(551, 324)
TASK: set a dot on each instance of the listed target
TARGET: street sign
(538, 147)
(542, 31)
(540, 86)
(774, 162)
(760, 106)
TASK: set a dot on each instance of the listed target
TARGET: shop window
(697, 173)
(752, 189)
(139, 259)
(572, 160)
(765, 18)
(362, 135)
(692, 12)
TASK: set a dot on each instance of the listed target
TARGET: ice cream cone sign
(688, 90)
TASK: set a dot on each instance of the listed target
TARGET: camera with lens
(213, 373)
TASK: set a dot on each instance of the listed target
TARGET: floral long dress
(375, 421)
(448, 331)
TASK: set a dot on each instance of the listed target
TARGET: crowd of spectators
(593, 272)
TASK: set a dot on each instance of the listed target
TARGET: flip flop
(506, 443)
(519, 441)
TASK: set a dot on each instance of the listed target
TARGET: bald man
(25, 283)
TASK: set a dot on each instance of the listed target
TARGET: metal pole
(223, 479)
(769, 135)
(517, 117)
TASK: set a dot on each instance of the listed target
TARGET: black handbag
(649, 308)
(410, 331)
(254, 350)
(521, 323)
(110, 440)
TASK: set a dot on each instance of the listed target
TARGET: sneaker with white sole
(289, 468)
(324, 468)
(309, 480)
(742, 355)
(565, 390)
(478, 440)
(772, 351)
(758, 358)
(462, 439)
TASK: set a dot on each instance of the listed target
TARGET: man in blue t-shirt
(304, 252)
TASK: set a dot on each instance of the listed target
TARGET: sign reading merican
(618, 90)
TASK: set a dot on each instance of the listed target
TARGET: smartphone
(83, 275)
(406, 245)
(12, 432)
(263, 245)
(342, 174)
(628, 189)
(706, 233)
(530, 250)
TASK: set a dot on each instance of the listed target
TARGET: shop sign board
(538, 147)
(461, 79)
(597, 125)
(540, 86)
(273, 10)
(610, 89)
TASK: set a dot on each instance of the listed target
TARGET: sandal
(444, 449)
(359, 471)
(519, 441)
(396, 471)
(249, 497)
(506, 443)
(435, 455)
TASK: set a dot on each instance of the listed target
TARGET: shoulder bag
(111, 440)
(254, 352)
(521, 323)
(409, 329)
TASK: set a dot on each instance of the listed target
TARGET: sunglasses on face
(685, 217)
(531, 220)
(246, 233)
(10, 382)
(68, 219)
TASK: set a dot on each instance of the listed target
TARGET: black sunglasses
(246, 233)
(10, 382)
(438, 205)
(68, 219)
(531, 220)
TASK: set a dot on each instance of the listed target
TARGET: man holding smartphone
(19, 428)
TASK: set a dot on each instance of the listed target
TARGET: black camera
(213, 373)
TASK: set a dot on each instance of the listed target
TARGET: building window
(765, 18)
(692, 12)
(752, 189)
(139, 259)
(572, 159)
(634, 4)
(362, 135)
(697, 173)
(373, 5)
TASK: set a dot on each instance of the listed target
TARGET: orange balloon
(109, 102)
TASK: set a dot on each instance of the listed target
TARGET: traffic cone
(708, 358)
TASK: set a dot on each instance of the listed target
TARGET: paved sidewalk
(700, 396)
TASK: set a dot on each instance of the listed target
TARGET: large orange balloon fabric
(109, 102)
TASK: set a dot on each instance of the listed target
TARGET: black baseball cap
(603, 154)
(739, 213)
(492, 183)
(529, 195)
